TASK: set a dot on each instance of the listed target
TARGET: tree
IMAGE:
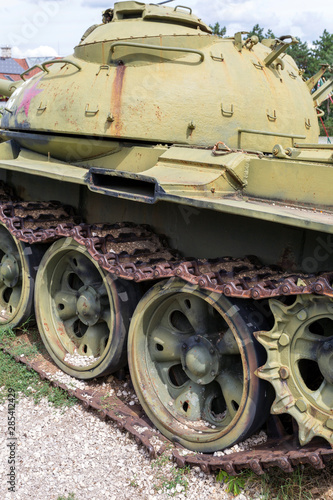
(322, 53)
(323, 48)
(269, 34)
(218, 30)
(258, 31)
(303, 57)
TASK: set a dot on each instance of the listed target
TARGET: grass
(168, 477)
(305, 483)
(105, 405)
(16, 376)
(70, 496)
(133, 483)
(235, 484)
(8, 337)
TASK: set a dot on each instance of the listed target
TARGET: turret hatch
(176, 15)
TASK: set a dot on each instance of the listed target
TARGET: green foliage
(269, 34)
(169, 484)
(234, 484)
(322, 53)
(70, 496)
(258, 31)
(302, 484)
(8, 336)
(20, 348)
(305, 483)
(218, 30)
(168, 476)
(303, 57)
(328, 122)
(323, 48)
(16, 376)
(133, 482)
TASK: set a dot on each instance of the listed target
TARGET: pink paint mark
(28, 95)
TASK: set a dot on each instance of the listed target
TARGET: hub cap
(88, 305)
(200, 360)
(9, 270)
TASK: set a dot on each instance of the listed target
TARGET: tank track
(282, 452)
(135, 252)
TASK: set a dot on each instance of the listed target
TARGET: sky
(53, 27)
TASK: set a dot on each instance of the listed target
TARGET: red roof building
(11, 69)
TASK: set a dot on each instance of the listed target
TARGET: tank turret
(157, 74)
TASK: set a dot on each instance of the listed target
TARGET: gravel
(72, 451)
(248, 444)
(77, 359)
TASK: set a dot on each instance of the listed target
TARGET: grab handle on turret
(280, 47)
(321, 94)
(30, 69)
(157, 47)
(183, 7)
(59, 61)
(311, 82)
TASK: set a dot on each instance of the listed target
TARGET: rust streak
(103, 52)
(117, 88)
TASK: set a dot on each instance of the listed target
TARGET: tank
(165, 203)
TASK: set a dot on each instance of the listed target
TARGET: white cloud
(42, 51)
(61, 23)
(303, 18)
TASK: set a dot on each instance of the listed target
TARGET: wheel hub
(325, 360)
(88, 306)
(9, 271)
(200, 360)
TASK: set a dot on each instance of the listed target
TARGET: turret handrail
(265, 132)
(30, 69)
(156, 47)
(59, 61)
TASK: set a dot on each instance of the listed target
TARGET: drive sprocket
(300, 364)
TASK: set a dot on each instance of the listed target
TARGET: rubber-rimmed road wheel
(82, 312)
(192, 357)
(18, 265)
